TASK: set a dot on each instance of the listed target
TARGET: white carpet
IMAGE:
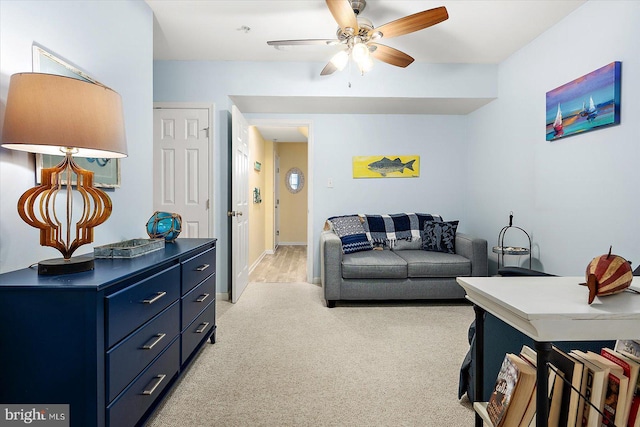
(283, 359)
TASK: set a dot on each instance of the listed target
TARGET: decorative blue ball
(164, 224)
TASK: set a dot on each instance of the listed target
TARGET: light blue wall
(439, 140)
(113, 42)
(578, 195)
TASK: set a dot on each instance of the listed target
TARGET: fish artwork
(386, 165)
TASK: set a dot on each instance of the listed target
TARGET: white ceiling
(477, 31)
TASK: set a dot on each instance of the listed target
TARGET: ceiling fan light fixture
(365, 65)
(340, 59)
(360, 52)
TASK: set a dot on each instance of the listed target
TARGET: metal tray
(510, 250)
(128, 248)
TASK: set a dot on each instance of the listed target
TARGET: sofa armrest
(474, 249)
(331, 264)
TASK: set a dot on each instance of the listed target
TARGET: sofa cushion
(403, 245)
(351, 232)
(440, 236)
(373, 265)
(435, 264)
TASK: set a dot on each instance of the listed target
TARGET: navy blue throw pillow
(440, 236)
(351, 232)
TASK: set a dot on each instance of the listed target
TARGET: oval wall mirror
(294, 180)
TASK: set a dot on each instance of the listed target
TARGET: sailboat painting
(587, 103)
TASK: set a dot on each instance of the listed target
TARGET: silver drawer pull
(155, 382)
(203, 267)
(202, 297)
(154, 299)
(202, 328)
(156, 339)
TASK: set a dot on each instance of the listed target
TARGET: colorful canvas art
(586, 103)
(386, 166)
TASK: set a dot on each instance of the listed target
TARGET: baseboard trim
(292, 243)
(255, 264)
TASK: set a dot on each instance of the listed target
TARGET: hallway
(288, 264)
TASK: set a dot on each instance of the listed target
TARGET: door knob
(231, 213)
(239, 213)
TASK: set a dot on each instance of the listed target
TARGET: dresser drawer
(127, 409)
(197, 330)
(198, 268)
(128, 358)
(197, 299)
(131, 307)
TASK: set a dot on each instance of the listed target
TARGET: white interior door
(276, 202)
(239, 203)
(181, 166)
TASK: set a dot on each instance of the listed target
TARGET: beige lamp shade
(46, 114)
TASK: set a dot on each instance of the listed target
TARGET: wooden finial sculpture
(607, 275)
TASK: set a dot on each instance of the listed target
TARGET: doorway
(288, 216)
(276, 202)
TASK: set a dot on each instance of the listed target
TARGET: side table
(548, 309)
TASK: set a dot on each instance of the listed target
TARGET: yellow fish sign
(386, 166)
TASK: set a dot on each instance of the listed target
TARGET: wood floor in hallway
(288, 264)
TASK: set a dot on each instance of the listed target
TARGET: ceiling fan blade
(330, 68)
(411, 23)
(303, 42)
(390, 55)
(343, 14)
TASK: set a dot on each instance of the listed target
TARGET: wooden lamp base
(65, 231)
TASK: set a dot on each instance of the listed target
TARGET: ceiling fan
(359, 36)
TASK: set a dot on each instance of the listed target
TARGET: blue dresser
(110, 342)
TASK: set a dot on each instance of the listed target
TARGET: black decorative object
(503, 250)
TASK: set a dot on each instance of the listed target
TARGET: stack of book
(512, 392)
(586, 389)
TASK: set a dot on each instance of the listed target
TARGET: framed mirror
(294, 180)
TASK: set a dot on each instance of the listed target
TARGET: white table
(549, 309)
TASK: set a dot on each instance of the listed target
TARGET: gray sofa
(398, 274)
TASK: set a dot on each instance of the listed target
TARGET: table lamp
(57, 115)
